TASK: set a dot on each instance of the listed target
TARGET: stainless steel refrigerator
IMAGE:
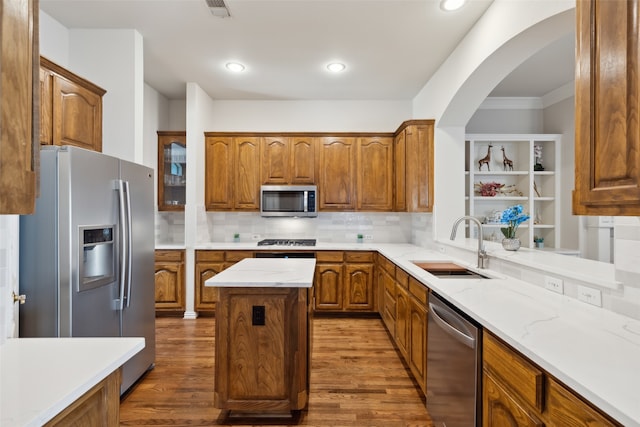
(87, 253)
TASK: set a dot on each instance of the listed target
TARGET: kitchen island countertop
(40, 377)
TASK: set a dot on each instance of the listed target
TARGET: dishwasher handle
(446, 321)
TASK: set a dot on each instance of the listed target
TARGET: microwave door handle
(305, 204)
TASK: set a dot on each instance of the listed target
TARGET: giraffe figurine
(506, 161)
(486, 159)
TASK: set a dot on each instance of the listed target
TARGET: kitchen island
(263, 336)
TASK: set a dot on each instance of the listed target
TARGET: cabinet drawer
(329, 256)
(209, 256)
(514, 371)
(236, 256)
(418, 290)
(169, 255)
(402, 278)
(358, 256)
(387, 265)
(567, 409)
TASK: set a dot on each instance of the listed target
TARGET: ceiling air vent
(218, 8)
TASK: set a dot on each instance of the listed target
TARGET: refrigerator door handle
(125, 247)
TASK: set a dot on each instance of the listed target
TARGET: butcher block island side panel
(263, 336)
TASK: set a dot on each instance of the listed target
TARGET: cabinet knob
(19, 298)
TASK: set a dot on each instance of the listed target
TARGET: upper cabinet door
(276, 155)
(247, 173)
(375, 173)
(303, 160)
(219, 167)
(607, 144)
(172, 170)
(19, 96)
(71, 108)
(336, 173)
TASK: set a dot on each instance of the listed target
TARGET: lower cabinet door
(500, 409)
(328, 287)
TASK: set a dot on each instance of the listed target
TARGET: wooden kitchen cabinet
(344, 281)
(70, 109)
(262, 367)
(328, 281)
(100, 406)
(417, 351)
(358, 286)
(414, 163)
(288, 160)
(374, 174)
(402, 320)
(169, 280)
(336, 173)
(607, 132)
(208, 264)
(232, 172)
(387, 293)
(19, 105)
(172, 170)
(516, 392)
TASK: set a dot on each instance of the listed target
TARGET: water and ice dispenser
(97, 257)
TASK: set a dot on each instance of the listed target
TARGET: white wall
(506, 121)
(508, 33)
(308, 116)
(113, 59)
(54, 40)
(560, 118)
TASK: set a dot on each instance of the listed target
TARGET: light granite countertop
(40, 377)
(595, 352)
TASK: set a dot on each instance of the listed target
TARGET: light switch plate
(590, 295)
(554, 284)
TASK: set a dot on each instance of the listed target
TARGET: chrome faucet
(482, 254)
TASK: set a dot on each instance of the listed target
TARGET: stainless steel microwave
(288, 200)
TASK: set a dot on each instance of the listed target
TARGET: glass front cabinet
(172, 170)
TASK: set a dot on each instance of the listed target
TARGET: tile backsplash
(327, 227)
(384, 227)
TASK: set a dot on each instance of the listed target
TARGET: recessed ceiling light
(236, 67)
(336, 67)
(450, 5)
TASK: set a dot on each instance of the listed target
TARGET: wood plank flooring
(357, 379)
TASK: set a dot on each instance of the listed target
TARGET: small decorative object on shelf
(506, 161)
(512, 216)
(537, 153)
(492, 189)
(486, 159)
(539, 241)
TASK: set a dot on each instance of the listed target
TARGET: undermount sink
(449, 270)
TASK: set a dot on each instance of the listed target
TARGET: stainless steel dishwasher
(453, 366)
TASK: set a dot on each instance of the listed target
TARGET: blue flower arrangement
(513, 217)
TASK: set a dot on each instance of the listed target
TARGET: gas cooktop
(287, 242)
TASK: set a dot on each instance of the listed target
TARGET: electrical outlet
(368, 237)
(442, 249)
(554, 284)
(255, 237)
(590, 295)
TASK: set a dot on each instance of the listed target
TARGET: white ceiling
(391, 47)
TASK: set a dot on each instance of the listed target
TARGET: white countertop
(594, 351)
(40, 377)
(267, 273)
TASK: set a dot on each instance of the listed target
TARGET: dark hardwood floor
(357, 379)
